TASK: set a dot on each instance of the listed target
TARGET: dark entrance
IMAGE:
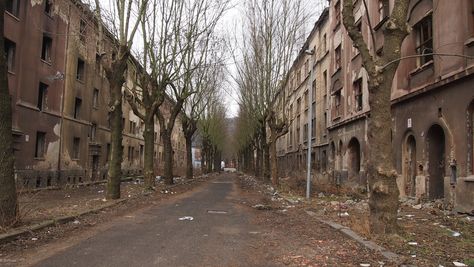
(354, 158)
(436, 161)
(95, 167)
(409, 165)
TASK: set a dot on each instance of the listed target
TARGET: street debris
(412, 243)
(344, 214)
(459, 264)
(186, 218)
(262, 207)
(34, 239)
(76, 222)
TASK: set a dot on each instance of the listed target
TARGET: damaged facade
(60, 98)
(432, 101)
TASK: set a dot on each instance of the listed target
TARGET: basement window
(40, 144)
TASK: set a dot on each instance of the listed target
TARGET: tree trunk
(8, 197)
(149, 170)
(168, 154)
(217, 160)
(258, 162)
(115, 168)
(274, 163)
(266, 162)
(189, 156)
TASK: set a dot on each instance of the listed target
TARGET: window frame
(10, 53)
(423, 42)
(46, 48)
(42, 96)
(40, 153)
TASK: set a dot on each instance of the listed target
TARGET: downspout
(63, 95)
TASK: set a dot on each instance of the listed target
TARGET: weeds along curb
(65, 219)
(351, 234)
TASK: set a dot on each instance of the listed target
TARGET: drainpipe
(63, 94)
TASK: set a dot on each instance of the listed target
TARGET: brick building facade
(432, 100)
(60, 98)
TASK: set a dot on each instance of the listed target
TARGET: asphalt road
(220, 234)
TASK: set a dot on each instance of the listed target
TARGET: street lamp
(310, 121)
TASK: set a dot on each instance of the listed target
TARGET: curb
(353, 235)
(64, 219)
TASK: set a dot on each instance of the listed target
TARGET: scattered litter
(456, 263)
(344, 214)
(440, 265)
(418, 207)
(409, 216)
(413, 256)
(283, 210)
(75, 206)
(34, 239)
(261, 207)
(104, 200)
(76, 222)
(455, 234)
(254, 233)
(334, 203)
(186, 218)
(321, 194)
(364, 264)
(165, 191)
(469, 219)
(100, 191)
(129, 195)
(205, 235)
(412, 243)
(67, 196)
(217, 212)
(129, 216)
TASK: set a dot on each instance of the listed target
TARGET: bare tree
(274, 34)
(191, 25)
(127, 14)
(8, 197)
(381, 173)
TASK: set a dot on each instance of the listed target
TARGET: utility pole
(310, 123)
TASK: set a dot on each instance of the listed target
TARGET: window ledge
(421, 68)
(13, 16)
(47, 62)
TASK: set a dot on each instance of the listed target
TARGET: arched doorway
(409, 165)
(332, 156)
(339, 156)
(353, 149)
(436, 161)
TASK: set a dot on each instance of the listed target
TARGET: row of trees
(271, 39)
(179, 62)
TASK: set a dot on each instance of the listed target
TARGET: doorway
(95, 167)
(353, 158)
(409, 166)
(436, 161)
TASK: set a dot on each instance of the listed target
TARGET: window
(337, 55)
(77, 107)
(325, 79)
(305, 132)
(40, 144)
(383, 9)
(76, 145)
(10, 49)
(48, 7)
(80, 69)
(82, 31)
(107, 153)
(46, 49)
(424, 31)
(355, 51)
(298, 129)
(337, 105)
(324, 42)
(358, 94)
(95, 98)
(42, 96)
(337, 13)
(13, 7)
(93, 131)
(306, 99)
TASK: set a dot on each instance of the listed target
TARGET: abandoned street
(225, 230)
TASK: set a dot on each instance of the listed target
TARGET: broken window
(383, 9)
(46, 48)
(424, 31)
(77, 107)
(95, 98)
(76, 144)
(80, 69)
(40, 144)
(337, 55)
(42, 96)
(93, 131)
(10, 49)
(337, 13)
(358, 94)
(13, 7)
(82, 31)
(48, 7)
